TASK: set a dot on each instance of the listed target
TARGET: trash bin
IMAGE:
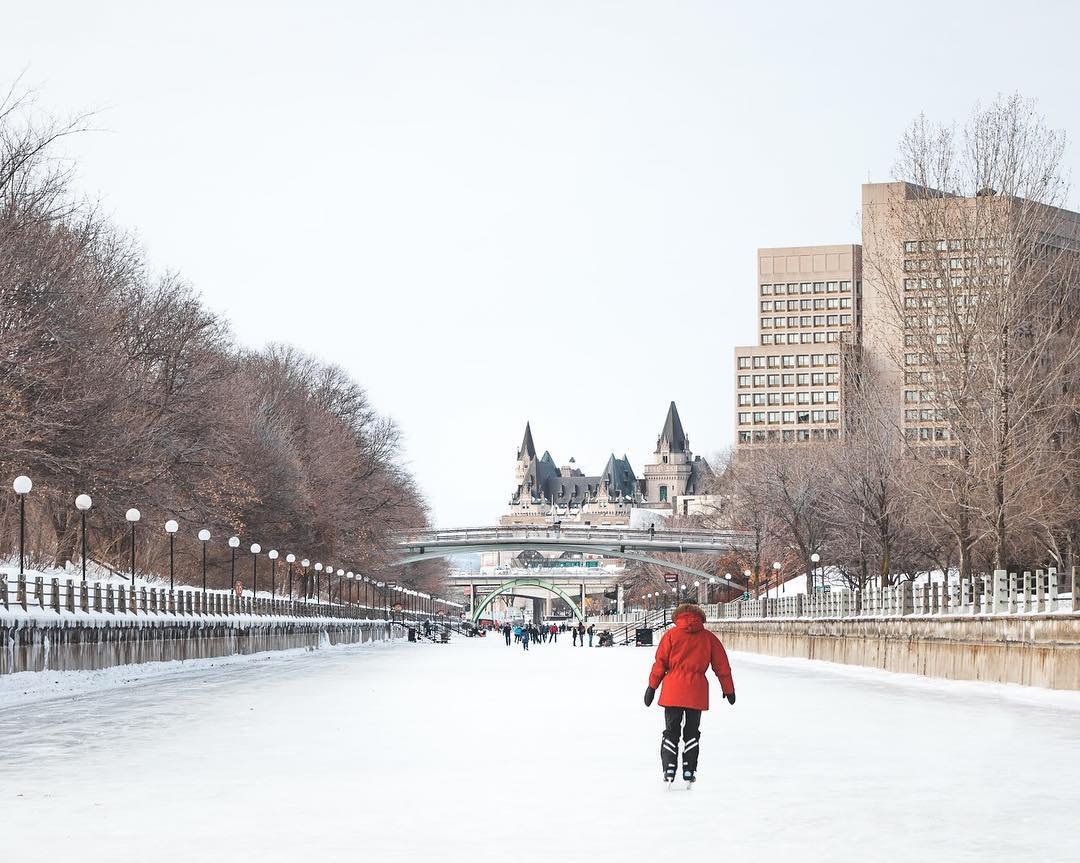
(643, 637)
(412, 634)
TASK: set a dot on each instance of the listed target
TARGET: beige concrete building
(818, 310)
(788, 385)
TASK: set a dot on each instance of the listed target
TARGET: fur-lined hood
(688, 608)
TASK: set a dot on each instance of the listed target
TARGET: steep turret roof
(527, 449)
(672, 433)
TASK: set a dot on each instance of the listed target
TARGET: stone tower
(669, 474)
(525, 454)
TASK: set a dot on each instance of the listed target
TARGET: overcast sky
(489, 212)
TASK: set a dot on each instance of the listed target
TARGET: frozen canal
(476, 752)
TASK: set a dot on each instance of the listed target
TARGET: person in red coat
(683, 656)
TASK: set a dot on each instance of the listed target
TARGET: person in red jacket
(683, 656)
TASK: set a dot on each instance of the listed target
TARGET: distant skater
(525, 638)
(506, 633)
(573, 632)
(683, 656)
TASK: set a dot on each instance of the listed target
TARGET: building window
(744, 362)
(759, 362)
(663, 494)
(766, 289)
(767, 339)
(774, 361)
(819, 287)
(744, 380)
(833, 287)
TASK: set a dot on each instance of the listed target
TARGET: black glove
(649, 693)
(730, 698)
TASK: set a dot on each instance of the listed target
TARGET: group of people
(531, 633)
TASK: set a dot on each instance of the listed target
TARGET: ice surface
(474, 751)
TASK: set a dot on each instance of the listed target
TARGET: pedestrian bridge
(620, 543)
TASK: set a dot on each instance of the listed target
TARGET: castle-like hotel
(674, 483)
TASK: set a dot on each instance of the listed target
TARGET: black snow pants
(669, 744)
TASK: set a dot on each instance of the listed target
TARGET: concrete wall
(78, 646)
(1041, 650)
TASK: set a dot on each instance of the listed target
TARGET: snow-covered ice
(474, 751)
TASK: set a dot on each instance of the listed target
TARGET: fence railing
(1001, 593)
(70, 597)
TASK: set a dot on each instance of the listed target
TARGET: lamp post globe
(204, 535)
(83, 502)
(234, 542)
(272, 554)
(22, 484)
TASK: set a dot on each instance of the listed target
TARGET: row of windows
(925, 415)
(967, 245)
(920, 264)
(788, 435)
(926, 434)
(802, 338)
(807, 288)
(803, 379)
(789, 361)
(941, 301)
(956, 282)
(819, 305)
(800, 417)
(807, 321)
(818, 397)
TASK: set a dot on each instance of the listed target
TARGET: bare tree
(979, 264)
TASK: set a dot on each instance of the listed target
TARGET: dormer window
(665, 459)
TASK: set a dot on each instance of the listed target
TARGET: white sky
(493, 212)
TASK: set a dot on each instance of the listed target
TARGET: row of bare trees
(961, 440)
(118, 382)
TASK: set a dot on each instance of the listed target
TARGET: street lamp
(318, 569)
(133, 516)
(171, 527)
(349, 576)
(234, 544)
(255, 549)
(204, 538)
(329, 596)
(304, 564)
(82, 504)
(273, 555)
(22, 486)
(814, 558)
(776, 569)
(746, 574)
(290, 559)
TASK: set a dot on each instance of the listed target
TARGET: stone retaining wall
(1025, 649)
(30, 645)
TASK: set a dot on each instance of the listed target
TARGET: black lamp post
(290, 559)
(273, 555)
(22, 486)
(82, 504)
(133, 516)
(204, 538)
(318, 570)
(304, 564)
(234, 544)
(170, 528)
(255, 549)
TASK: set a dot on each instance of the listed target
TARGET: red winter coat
(684, 655)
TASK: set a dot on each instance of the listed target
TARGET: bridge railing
(571, 532)
(1000, 594)
(38, 596)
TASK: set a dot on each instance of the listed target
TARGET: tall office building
(788, 387)
(925, 264)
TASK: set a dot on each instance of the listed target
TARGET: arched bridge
(619, 543)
